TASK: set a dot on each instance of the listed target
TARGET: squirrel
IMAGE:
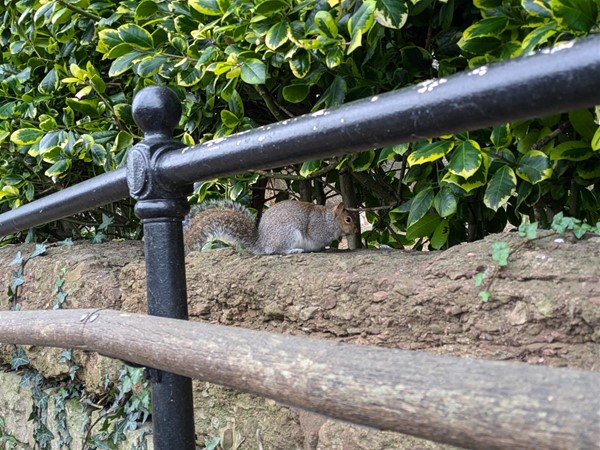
(286, 227)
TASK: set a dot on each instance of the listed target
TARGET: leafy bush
(69, 70)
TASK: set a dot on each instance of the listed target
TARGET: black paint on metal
(100, 190)
(558, 79)
(162, 207)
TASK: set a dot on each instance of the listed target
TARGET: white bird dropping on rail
(481, 71)
(430, 85)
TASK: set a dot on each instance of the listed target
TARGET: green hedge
(69, 70)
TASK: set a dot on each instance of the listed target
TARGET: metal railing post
(162, 207)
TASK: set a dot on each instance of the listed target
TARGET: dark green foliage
(126, 405)
(69, 70)
(7, 441)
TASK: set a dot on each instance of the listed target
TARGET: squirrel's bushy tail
(224, 221)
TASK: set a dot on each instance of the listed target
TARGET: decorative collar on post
(156, 110)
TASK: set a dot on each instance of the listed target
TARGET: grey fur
(286, 227)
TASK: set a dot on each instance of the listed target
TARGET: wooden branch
(562, 127)
(465, 402)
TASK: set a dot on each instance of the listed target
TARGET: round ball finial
(156, 110)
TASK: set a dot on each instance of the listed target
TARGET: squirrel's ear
(338, 209)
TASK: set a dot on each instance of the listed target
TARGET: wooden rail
(464, 402)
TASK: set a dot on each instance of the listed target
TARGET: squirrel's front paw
(291, 251)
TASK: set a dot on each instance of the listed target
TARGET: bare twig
(545, 140)
(374, 208)
(288, 176)
(272, 105)
(259, 442)
(78, 10)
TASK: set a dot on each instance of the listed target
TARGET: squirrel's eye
(348, 219)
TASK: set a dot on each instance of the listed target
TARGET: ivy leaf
(466, 159)
(212, 444)
(17, 279)
(43, 435)
(528, 230)
(253, 71)
(500, 188)
(534, 167)
(19, 358)
(420, 205)
(430, 152)
(40, 249)
(500, 253)
(484, 296)
(17, 260)
(479, 278)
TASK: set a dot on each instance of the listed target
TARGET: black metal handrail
(552, 81)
